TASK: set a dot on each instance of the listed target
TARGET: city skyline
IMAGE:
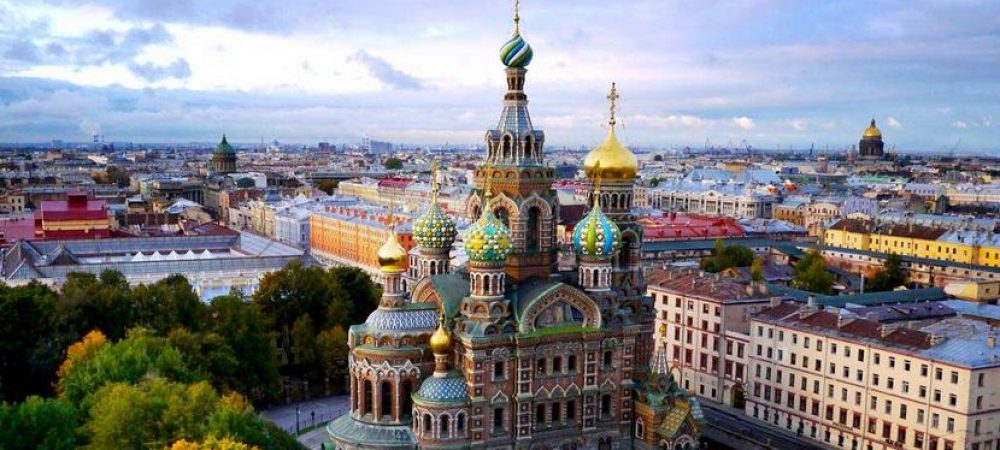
(773, 74)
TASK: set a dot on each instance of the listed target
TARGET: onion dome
(442, 388)
(441, 341)
(488, 239)
(872, 132)
(516, 52)
(434, 229)
(616, 162)
(224, 148)
(401, 320)
(596, 235)
(392, 255)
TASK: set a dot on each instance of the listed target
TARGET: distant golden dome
(392, 255)
(441, 339)
(872, 131)
(616, 162)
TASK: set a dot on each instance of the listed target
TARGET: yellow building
(918, 241)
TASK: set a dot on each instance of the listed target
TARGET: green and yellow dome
(434, 229)
(488, 239)
(596, 235)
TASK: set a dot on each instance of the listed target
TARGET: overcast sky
(772, 72)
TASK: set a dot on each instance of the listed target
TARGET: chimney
(811, 301)
(936, 338)
(843, 320)
(885, 330)
(775, 301)
(991, 340)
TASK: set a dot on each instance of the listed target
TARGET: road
(729, 420)
(311, 412)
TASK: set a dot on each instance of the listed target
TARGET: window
(923, 370)
(539, 413)
(892, 362)
(607, 358)
(571, 363)
(954, 377)
(878, 358)
(937, 373)
(906, 365)
(874, 402)
(557, 364)
(605, 405)
(951, 425)
(571, 410)
(952, 400)
(498, 370)
(890, 383)
(906, 387)
(555, 413)
(981, 379)
(888, 406)
(540, 364)
(902, 411)
(497, 419)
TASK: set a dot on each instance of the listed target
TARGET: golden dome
(441, 339)
(616, 162)
(392, 255)
(872, 131)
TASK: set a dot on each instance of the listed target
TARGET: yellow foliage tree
(211, 443)
(83, 349)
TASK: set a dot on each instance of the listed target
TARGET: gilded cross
(517, 18)
(434, 181)
(613, 98)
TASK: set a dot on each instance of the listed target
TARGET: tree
(810, 274)
(211, 443)
(303, 335)
(332, 352)
(890, 276)
(393, 163)
(38, 423)
(138, 355)
(726, 256)
(658, 157)
(28, 358)
(167, 304)
(757, 270)
(328, 186)
(241, 325)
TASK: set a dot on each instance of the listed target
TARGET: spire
(434, 182)
(517, 17)
(613, 99)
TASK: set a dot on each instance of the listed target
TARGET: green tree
(167, 304)
(393, 163)
(658, 157)
(303, 335)
(28, 357)
(332, 352)
(726, 256)
(328, 186)
(139, 355)
(810, 274)
(889, 277)
(38, 423)
(241, 325)
(757, 270)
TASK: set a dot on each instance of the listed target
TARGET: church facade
(507, 352)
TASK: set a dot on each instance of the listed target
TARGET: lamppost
(296, 420)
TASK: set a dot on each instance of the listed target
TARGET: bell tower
(523, 198)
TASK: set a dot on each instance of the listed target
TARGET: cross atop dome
(613, 98)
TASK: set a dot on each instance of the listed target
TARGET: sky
(770, 73)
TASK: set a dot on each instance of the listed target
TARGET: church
(506, 351)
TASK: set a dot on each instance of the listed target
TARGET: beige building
(703, 330)
(856, 383)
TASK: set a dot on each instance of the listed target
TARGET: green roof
(866, 299)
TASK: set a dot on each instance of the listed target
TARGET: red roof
(18, 228)
(675, 226)
(400, 183)
(75, 207)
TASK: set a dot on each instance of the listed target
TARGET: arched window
(427, 423)
(406, 403)
(486, 284)
(385, 399)
(506, 147)
(460, 424)
(528, 147)
(444, 425)
(639, 429)
(534, 229)
(369, 392)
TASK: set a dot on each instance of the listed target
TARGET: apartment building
(703, 330)
(855, 383)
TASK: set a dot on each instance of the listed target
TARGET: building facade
(855, 383)
(504, 352)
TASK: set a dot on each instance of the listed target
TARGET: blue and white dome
(449, 388)
(402, 320)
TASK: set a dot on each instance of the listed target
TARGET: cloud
(385, 73)
(798, 124)
(744, 123)
(959, 124)
(893, 122)
(944, 110)
(671, 121)
(986, 121)
(24, 51)
(89, 127)
(152, 72)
